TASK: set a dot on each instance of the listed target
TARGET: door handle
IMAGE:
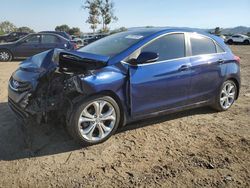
(220, 61)
(184, 67)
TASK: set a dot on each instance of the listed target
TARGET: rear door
(207, 60)
(50, 41)
(164, 84)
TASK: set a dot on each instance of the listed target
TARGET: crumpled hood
(65, 60)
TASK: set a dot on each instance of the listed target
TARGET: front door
(163, 84)
(29, 47)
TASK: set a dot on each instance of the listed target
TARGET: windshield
(114, 44)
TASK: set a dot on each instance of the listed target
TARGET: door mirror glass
(147, 57)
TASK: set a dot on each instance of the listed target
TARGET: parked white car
(239, 38)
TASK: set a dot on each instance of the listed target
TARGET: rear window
(202, 45)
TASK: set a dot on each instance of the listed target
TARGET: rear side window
(236, 36)
(202, 45)
(49, 39)
(170, 46)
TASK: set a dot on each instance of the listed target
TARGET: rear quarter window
(219, 48)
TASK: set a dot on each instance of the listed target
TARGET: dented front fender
(108, 78)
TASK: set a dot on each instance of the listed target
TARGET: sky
(47, 14)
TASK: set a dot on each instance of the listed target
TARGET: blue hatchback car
(125, 77)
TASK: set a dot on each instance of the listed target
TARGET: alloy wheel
(97, 120)
(4, 56)
(227, 95)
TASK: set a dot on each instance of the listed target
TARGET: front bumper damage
(49, 100)
(46, 91)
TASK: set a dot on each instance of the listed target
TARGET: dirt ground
(195, 148)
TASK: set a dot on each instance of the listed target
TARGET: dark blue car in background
(125, 77)
(33, 44)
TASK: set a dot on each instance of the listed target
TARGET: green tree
(121, 29)
(217, 30)
(7, 27)
(93, 10)
(248, 34)
(75, 31)
(25, 29)
(63, 28)
(106, 9)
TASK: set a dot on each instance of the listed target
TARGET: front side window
(33, 39)
(202, 45)
(168, 47)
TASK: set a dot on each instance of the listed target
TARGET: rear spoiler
(76, 61)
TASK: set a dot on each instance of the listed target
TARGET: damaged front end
(45, 85)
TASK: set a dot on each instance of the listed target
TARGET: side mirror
(147, 57)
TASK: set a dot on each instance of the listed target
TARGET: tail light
(236, 58)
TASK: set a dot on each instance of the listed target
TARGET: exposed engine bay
(53, 95)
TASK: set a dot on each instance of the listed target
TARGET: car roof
(148, 34)
(45, 33)
(240, 35)
(61, 33)
(154, 31)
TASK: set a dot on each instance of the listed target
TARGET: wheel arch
(123, 110)
(246, 41)
(237, 85)
(117, 98)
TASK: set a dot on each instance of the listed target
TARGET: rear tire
(94, 120)
(246, 42)
(230, 42)
(5, 55)
(226, 97)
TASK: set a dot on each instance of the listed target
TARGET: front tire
(5, 55)
(226, 97)
(94, 120)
